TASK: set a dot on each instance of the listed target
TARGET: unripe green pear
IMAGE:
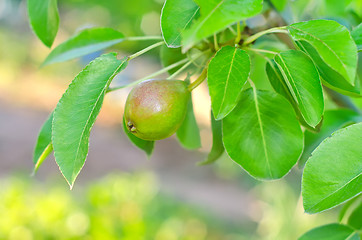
(155, 109)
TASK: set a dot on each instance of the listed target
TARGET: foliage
(44, 19)
(227, 74)
(85, 42)
(70, 138)
(344, 173)
(265, 131)
(331, 231)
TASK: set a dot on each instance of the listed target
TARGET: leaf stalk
(143, 38)
(149, 48)
(261, 50)
(163, 70)
(252, 38)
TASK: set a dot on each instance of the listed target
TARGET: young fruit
(155, 109)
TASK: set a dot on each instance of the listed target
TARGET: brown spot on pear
(155, 109)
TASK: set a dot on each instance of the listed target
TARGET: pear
(155, 109)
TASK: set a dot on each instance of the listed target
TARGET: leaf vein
(262, 131)
(338, 189)
(300, 102)
(187, 23)
(90, 115)
(321, 41)
(227, 81)
(208, 16)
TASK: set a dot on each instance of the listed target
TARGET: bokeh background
(120, 194)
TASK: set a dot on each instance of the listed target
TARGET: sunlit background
(120, 194)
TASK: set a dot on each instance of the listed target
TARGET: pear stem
(198, 81)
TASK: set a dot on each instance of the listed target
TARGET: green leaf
(330, 77)
(357, 8)
(144, 145)
(279, 4)
(85, 42)
(355, 219)
(276, 79)
(217, 148)
(226, 75)
(44, 19)
(336, 8)
(43, 145)
(302, 79)
(217, 15)
(332, 121)
(263, 135)
(332, 41)
(345, 208)
(77, 111)
(357, 36)
(332, 231)
(176, 16)
(333, 174)
(189, 134)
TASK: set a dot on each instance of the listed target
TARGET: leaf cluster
(265, 131)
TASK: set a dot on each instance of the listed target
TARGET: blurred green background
(120, 194)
